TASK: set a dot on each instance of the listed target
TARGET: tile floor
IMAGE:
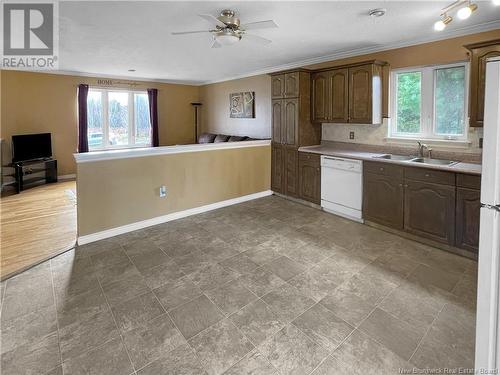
(264, 287)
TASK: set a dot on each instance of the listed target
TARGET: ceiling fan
(228, 30)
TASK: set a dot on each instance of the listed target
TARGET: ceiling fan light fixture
(442, 23)
(227, 37)
(465, 12)
(379, 12)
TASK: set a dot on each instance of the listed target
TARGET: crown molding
(474, 29)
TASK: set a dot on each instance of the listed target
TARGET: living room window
(430, 103)
(118, 119)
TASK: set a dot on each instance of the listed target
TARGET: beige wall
(118, 192)
(215, 109)
(39, 102)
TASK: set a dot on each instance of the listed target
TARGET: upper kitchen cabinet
(277, 86)
(285, 85)
(348, 94)
(479, 53)
(291, 85)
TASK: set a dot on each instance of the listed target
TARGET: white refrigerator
(488, 296)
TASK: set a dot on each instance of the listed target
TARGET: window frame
(427, 104)
(105, 120)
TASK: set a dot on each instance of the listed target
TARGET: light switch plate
(351, 135)
(163, 191)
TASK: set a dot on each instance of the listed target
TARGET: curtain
(83, 143)
(153, 116)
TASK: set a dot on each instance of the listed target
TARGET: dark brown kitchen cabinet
(479, 53)
(429, 210)
(291, 170)
(467, 224)
(310, 177)
(277, 86)
(277, 168)
(291, 128)
(348, 94)
(383, 199)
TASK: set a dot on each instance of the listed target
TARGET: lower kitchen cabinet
(383, 199)
(467, 216)
(310, 177)
(291, 170)
(277, 168)
(429, 210)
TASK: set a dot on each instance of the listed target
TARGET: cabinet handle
(427, 175)
(381, 169)
(317, 169)
(400, 185)
(405, 185)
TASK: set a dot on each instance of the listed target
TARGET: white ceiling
(108, 38)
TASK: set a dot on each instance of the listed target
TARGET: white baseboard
(67, 177)
(82, 240)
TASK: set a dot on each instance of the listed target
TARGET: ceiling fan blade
(212, 20)
(216, 44)
(270, 24)
(256, 38)
(190, 32)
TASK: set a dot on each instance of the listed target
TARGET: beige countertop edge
(460, 167)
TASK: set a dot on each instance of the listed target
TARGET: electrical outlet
(351, 135)
(163, 191)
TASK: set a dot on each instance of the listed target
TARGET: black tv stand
(23, 171)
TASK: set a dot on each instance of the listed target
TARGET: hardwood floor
(37, 224)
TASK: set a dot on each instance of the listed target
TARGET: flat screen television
(31, 147)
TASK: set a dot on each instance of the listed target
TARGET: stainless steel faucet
(421, 147)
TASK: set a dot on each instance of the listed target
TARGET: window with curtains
(117, 119)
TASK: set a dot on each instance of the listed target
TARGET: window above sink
(430, 103)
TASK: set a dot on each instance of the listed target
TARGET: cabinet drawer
(382, 168)
(430, 175)
(469, 181)
(309, 158)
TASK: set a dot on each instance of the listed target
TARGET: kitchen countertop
(460, 167)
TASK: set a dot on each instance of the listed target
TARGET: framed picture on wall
(242, 105)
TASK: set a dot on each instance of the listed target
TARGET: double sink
(413, 159)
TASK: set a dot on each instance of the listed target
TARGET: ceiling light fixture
(227, 37)
(379, 12)
(441, 24)
(496, 2)
(131, 70)
(465, 9)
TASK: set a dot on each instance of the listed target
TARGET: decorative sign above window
(242, 105)
(112, 82)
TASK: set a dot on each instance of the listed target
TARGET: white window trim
(131, 119)
(427, 106)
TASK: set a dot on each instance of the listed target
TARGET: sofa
(217, 138)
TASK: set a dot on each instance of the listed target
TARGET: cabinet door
(477, 82)
(360, 94)
(429, 211)
(291, 121)
(309, 178)
(320, 98)
(468, 212)
(339, 95)
(383, 199)
(277, 120)
(277, 168)
(291, 171)
(277, 86)
(291, 85)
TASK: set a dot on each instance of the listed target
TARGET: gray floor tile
(434, 276)
(139, 247)
(28, 300)
(309, 253)
(314, 283)
(150, 340)
(212, 276)
(360, 355)
(347, 306)
(56, 371)
(261, 281)
(240, 263)
(254, 363)
(32, 358)
(116, 272)
(98, 247)
(292, 352)
(162, 274)
(285, 268)
(83, 335)
(193, 317)
(393, 333)
(257, 321)
(231, 296)
(125, 289)
(369, 288)
(220, 347)
(180, 361)
(108, 359)
(31, 327)
(263, 253)
(137, 311)
(193, 261)
(322, 326)
(109, 258)
(287, 302)
(217, 250)
(149, 259)
(176, 293)
(74, 308)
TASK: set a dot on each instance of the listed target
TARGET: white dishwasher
(342, 186)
